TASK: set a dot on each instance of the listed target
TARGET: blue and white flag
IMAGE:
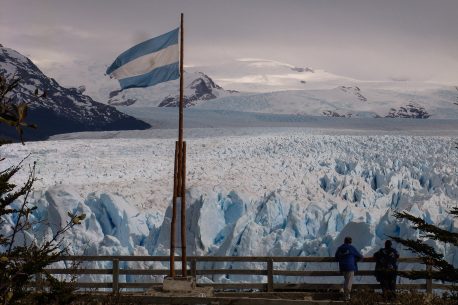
(149, 63)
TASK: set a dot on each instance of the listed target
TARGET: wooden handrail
(276, 259)
(269, 271)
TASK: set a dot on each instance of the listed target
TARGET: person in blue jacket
(347, 256)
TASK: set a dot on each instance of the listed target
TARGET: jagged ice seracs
(290, 193)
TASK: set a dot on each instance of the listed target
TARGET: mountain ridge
(198, 87)
(267, 86)
(60, 109)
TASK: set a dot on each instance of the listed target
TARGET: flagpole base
(181, 287)
(179, 284)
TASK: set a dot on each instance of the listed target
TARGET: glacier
(289, 193)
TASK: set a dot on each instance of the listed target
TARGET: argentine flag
(149, 63)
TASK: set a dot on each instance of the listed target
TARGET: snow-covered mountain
(100, 86)
(361, 100)
(267, 86)
(198, 87)
(274, 87)
(263, 75)
(59, 110)
(280, 88)
(202, 88)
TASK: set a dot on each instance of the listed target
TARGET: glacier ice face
(111, 226)
(288, 193)
(119, 219)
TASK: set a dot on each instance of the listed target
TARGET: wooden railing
(270, 271)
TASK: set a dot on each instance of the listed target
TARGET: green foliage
(13, 114)
(442, 269)
(23, 259)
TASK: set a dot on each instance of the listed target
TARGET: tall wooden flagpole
(174, 214)
(179, 178)
(182, 159)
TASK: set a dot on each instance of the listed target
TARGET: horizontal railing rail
(268, 271)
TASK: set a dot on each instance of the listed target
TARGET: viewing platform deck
(235, 280)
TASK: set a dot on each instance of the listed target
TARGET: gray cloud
(410, 39)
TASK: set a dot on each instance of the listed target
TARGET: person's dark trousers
(388, 283)
(392, 282)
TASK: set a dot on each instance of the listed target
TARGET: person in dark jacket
(386, 267)
(347, 256)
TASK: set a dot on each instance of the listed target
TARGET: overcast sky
(364, 39)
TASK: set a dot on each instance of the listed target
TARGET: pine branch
(11, 113)
(447, 276)
(430, 231)
(20, 263)
(444, 270)
(24, 211)
(418, 247)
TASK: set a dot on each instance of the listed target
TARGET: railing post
(270, 275)
(39, 282)
(429, 279)
(115, 288)
(193, 268)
